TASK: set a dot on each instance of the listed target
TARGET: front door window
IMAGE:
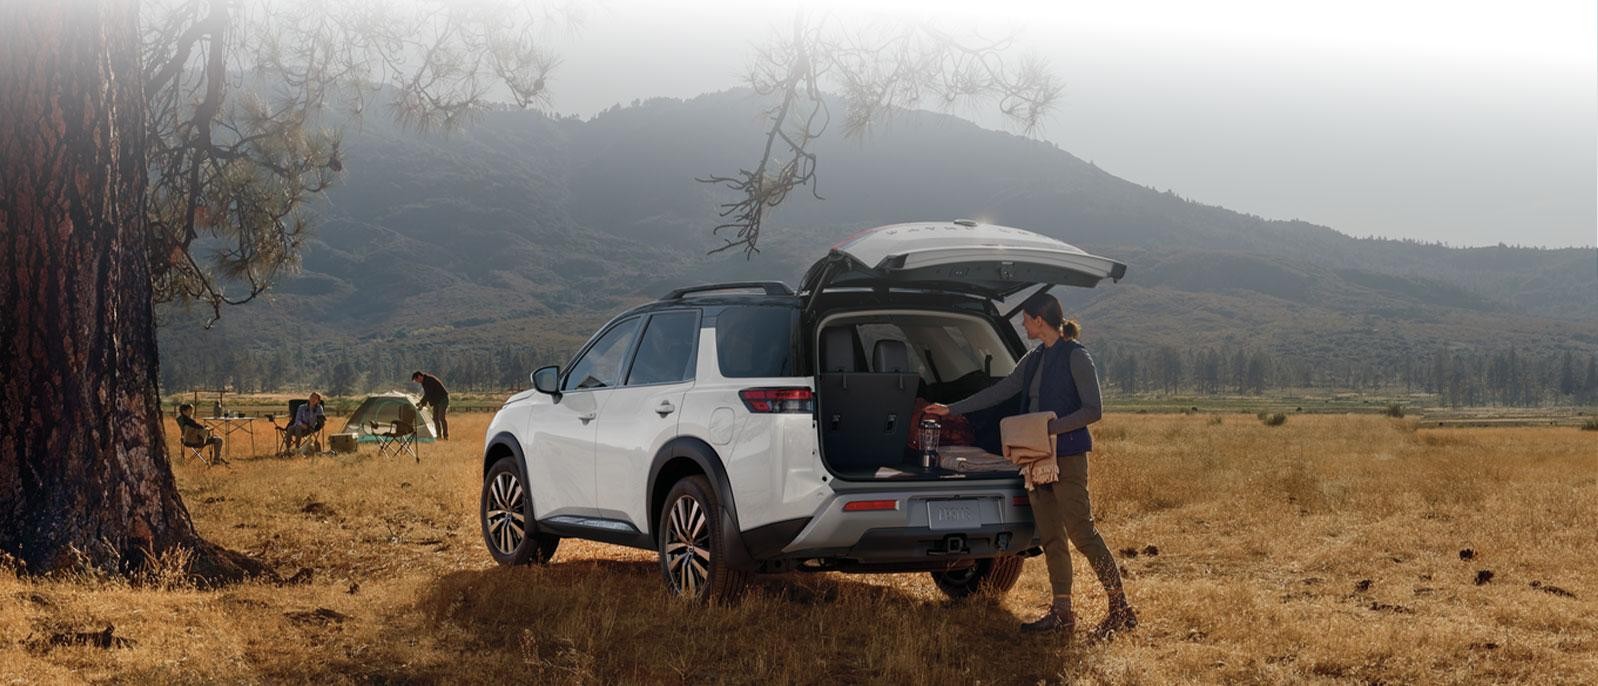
(600, 367)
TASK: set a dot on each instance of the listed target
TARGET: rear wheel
(507, 517)
(693, 555)
(995, 575)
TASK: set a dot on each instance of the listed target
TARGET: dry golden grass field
(1326, 550)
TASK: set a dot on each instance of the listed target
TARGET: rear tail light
(778, 400)
(1021, 501)
(870, 505)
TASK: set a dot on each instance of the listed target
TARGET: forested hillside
(491, 250)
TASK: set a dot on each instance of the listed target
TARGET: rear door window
(600, 366)
(755, 341)
(666, 350)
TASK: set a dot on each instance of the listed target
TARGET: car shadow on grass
(606, 620)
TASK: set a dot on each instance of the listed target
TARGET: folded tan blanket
(1028, 443)
(969, 458)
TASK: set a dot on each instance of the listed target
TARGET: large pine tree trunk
(84, 476)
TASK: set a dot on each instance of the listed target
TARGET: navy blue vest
(1057, 393)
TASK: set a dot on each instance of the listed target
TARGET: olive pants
(1062, 511)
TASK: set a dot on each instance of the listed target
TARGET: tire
(506, 514)
(994, 575)
(692, 545)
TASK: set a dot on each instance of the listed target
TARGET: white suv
(744, 428)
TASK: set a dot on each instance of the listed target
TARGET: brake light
(1021, 501)
(870, 505)
(778, 400)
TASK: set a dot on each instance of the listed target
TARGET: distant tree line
(363, 370)
(1506, 377)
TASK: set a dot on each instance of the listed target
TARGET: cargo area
(876, 370)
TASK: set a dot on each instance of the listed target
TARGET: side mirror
(547, 380)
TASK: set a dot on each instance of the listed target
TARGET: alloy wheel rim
(507, 526)
(687, 550)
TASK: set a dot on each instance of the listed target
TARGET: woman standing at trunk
(1058, 376)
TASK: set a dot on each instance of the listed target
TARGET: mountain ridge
(524, 227)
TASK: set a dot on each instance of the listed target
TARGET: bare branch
(875, 72)
(238, 92)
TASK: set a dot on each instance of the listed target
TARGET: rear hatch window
(754, 341)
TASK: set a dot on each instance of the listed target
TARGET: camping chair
(195, 442)
(316, 435)
(399, 436)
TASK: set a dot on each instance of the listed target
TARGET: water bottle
(931, 430)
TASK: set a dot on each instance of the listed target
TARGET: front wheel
(507, 516)
(693, 556)
(995, 575)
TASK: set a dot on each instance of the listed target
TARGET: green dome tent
(385, 408)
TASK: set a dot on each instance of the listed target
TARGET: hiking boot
(1058, 618)
(1121, 619)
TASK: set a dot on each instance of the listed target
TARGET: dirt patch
(317, 509)
(320, 615)
(1552, 589)
(104, 638)
(38, 599)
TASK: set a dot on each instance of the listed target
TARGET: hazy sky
(1463, 121)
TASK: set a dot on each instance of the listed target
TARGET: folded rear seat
(865, 415)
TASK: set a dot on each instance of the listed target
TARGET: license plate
(944, 515)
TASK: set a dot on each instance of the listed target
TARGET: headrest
(890, 356)
(837, 349)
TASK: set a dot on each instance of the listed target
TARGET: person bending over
(434, 394)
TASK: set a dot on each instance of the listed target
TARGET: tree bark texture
(84, 474)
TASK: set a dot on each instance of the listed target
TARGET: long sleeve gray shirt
(1087, 387)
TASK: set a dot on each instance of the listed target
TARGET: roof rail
(771, 288)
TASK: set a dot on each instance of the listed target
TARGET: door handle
(665, 407)
(586, 418)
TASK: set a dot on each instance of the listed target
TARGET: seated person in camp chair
(197, 436)
(308, 420)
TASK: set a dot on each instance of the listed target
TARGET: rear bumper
(907, 536)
